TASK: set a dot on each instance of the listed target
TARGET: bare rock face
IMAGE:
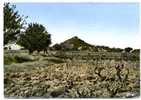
(130, 95)
(58, 91)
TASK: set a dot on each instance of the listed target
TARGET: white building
(13, 46)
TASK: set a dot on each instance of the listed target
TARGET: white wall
(13, 46)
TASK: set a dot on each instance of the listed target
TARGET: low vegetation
(71, 77)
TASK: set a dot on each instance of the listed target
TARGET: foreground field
(64, 77)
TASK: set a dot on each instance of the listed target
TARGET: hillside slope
(75, 43)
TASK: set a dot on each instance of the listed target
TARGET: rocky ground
(51, 77)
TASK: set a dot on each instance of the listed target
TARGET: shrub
(23, 58)
(8, 60)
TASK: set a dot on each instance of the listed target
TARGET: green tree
(128, 49)
(13, 23)
(35, 38)
(57, 47)
(116, 49)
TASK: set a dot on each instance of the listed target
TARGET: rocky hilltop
(74, 43)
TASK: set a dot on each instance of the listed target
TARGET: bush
(23, 58)
(54, 60)
(8, 60)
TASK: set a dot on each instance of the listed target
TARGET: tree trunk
(30, 52)
(38, 51)
(45, 51)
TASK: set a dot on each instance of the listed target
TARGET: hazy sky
(110, 24)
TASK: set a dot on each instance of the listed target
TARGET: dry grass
(72, 78)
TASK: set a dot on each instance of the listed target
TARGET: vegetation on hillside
(77, 44)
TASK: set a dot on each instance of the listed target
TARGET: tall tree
(13, 23)
(35, 38)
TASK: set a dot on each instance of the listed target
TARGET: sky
(109, 24)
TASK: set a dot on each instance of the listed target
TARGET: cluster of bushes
(8, 59)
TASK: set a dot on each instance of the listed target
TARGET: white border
(71, 1)
(53, 1)
(1, 52)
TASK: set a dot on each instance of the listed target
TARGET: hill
(74, 43)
